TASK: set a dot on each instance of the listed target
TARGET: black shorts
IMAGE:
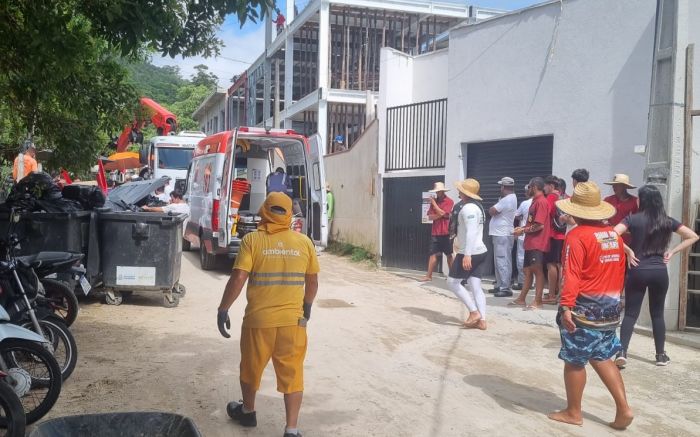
(554, 254)
(441, 244)
(533, 258)
(457, 271)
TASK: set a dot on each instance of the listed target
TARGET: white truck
(169, 156)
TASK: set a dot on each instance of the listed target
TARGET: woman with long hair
(647, 255)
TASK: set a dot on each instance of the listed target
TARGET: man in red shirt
(625, 204)
(439, 213)
(589, 311)
(536, 245)
(553, 257)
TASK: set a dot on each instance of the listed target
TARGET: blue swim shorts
(588, 344)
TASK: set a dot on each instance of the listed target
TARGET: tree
(204, 77)
(159, 83)
(189, 97)
(61, 77)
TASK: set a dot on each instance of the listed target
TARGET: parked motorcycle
(19, 288)
(57, 272)
(13, 421)
(31, 370)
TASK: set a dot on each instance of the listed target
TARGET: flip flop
(470, 325)
(532, 308)
(513, 303)
(550, 301)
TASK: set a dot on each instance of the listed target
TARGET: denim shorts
(588, 344)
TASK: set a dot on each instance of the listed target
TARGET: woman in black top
(651, 230)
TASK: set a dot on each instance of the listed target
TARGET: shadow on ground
(434, 316)
(514, 397)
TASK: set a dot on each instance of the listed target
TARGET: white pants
(477, 302)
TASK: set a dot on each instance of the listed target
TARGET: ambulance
(227, 184)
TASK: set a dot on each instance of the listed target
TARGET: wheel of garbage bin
(180, 290)
(170, 300)
(186, 245)
(117, 300)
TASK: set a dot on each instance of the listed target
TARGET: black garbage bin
(118, 425)
(141, 252)
(50, 231)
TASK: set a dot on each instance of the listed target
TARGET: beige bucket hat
(469, 187)
(621, 179)
(437, 187)
(586, 203)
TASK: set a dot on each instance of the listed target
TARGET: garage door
(405, 240)
(522, 159)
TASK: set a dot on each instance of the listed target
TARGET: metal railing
(416, 135)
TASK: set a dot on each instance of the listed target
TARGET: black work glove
(223, 322)
(307, 311)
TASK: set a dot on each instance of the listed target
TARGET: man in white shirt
(501, 232)
(177, 205)
(471, 254)
(521, 215)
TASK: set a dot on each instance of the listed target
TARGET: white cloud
(239, 44)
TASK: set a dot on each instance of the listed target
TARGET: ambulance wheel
(170, 300)
(206, 260)
(113, 298)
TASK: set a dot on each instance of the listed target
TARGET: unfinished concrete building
(320, 71)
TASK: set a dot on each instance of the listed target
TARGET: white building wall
(212, 119)
(352, 175)
(578, 70)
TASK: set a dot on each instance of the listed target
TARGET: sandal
(514, 303)
(532, 307)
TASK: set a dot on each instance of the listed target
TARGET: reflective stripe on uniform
(275, 274)
(276, 282)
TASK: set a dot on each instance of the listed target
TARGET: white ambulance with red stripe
(227, 184)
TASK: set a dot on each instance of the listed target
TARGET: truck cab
(250, 155)
(170, 156)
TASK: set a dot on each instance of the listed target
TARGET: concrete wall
(352, 175)
(579, 70)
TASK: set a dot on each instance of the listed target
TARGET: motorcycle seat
(50, 258)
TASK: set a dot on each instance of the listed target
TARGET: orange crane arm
(151, 112)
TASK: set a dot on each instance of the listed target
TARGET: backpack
(454, 217)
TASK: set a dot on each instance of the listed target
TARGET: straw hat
(621, 179)
(586, 203)
(469, 187)
(437, 187)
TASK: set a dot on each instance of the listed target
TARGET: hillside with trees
(63, 79)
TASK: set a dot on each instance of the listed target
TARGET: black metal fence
(416, 135)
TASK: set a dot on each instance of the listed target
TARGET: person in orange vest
(26, 165)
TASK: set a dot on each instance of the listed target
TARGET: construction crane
(150, 113)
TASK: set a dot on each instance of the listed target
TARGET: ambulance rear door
(224, 202)
(318, 214)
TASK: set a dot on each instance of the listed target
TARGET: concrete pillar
(323, 73)
(288, 72)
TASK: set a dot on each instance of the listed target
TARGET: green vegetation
(356, 253)
(63, 78)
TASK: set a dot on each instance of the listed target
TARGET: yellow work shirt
(277, 264)
(30, 166)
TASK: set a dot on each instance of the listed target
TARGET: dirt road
(386, 357)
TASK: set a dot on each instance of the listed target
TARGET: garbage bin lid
(126, 196)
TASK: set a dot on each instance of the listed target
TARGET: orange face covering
(276, 213)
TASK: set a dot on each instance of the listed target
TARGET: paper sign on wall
(130, 275)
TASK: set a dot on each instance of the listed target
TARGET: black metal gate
(406, 241)
(522, 159)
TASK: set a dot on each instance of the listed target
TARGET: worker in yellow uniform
(27, 165)
(282, 272)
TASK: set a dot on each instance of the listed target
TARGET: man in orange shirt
(589, 311)
(29, 164)
(625, 204)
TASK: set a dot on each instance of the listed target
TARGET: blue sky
(243, 45)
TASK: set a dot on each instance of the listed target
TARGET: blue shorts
(588, 344)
